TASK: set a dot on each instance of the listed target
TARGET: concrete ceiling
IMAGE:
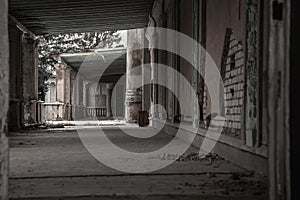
(65, 16)
(109, 64)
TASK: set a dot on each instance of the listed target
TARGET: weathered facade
(74, 97)
(232, 39)
(24, 102)
(247, 40)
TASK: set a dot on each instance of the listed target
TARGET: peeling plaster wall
(4, 93)
(219, 16)
(233, 77)
(222, 14)
(231, 16)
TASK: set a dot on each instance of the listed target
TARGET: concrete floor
(54, 164)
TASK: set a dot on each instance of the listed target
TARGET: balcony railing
(96, 112)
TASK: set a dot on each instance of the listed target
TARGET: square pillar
(30, 79)
(15, 115)
(109, 90)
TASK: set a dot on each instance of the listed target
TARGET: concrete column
(72, 94)
(30, 77)
(202, 57)
(4, 95)
(135, 39)
(146, 71)
(81, 97)
(68, 92)
(196, 50)
(109, 88)
(91, 94)
(251, 74)
(84, 99)
(60, 83)
(78, 98)
(152, 38)
(280, 127)
(15, 116)
(77, 95)
(154, 102)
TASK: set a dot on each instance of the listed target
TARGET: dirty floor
(54, 164)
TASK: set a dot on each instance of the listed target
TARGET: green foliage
(51, 46)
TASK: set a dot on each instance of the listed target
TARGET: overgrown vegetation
(51, 46)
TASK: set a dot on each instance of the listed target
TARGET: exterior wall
(4, 99)
(233, 76)
(222, 31)
(221, 15)
(225, 39)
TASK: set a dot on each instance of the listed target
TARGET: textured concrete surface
(55, 165)
(4, 88)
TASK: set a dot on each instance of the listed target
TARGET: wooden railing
(96, 112)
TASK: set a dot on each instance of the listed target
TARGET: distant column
(133, 100)
(109, 88)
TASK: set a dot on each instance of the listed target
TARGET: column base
(30, 110)
(132, 112)
(133, 105)
(196, 123)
